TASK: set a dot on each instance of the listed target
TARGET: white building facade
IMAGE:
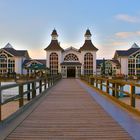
(11, 60)
(71, 62)
(129, 60)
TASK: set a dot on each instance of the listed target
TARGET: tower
(54, 54)
(88, 55)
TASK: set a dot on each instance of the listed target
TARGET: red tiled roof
(54, 46)
(88, 46)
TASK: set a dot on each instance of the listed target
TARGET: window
(54, 63)
(88, 64)
(71, 57)
(7, 64)
(131, 65)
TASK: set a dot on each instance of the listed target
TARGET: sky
(27, 24)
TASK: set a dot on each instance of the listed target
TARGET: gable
(71, 49)
(6, 52)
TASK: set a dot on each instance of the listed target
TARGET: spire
(54, 35)
(88, 35)
(54, 45)
(88, 45)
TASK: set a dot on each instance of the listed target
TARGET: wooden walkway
(69, 113)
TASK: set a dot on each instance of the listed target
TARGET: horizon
(28, 24)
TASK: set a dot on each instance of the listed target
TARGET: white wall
(124, 65)
(61, 56)
(18, 65)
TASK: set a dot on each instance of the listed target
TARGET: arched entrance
(71, 72)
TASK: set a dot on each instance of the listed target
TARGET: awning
(71, 64)
(37, 67)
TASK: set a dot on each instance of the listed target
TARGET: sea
(6, 94)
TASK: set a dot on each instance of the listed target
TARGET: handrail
(30, 91)
(114, 89)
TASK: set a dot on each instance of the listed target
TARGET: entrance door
(71, 72)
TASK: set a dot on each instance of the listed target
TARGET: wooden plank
(69, 113)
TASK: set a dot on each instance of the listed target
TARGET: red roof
(54, 45)
(88, 45)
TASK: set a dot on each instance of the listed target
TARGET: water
(6, 94)
(125, 88)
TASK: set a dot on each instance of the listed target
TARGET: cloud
(118, 43)
(124, 35)
(128, 18)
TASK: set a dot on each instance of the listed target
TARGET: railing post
(101, 86)
(132, 98)
(91, 81)
(21, 102)
(116, 90)
(45, 84)
(33, 89)
(96, 83)
(28, 95)
(113, 90)
(0, 103)
(40, 86)
(107, 86)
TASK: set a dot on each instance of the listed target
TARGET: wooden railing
(28, 89)
(115, 90)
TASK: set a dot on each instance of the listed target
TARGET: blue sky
(27, 24)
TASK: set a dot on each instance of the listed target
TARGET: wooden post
(48, 82)
(40, 86)
(0, 103)
(116, 91)
(45, 84)
(101, 86)
(132, 92)
(21, 102)
(107, 86)
(28, 95)
(113, 90)
(92, 81)
(96, 83)
(33, 89)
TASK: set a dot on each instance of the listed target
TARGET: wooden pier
(68, 113)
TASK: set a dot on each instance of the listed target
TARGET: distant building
(11, 60)
(129, 60)
(15, 61)
(71, 62)
(111, 67)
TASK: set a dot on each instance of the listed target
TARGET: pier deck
(69, 112)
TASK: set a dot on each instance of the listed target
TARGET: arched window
(71, 57)
(88, 64)
(54, 63)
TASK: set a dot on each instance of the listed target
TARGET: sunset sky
(27, 24)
